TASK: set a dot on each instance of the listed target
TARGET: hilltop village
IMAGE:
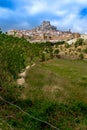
(44, 32)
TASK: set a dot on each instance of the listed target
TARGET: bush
(67, 45)
(79, 49)
(85, 50)
(79, 42)
(43, 57)
(81, 56)
(60, 43)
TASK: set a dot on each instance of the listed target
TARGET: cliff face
(44, 32)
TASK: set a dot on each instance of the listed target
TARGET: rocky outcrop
(45, 26)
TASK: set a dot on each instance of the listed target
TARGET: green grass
(56, 92)
(58, 80)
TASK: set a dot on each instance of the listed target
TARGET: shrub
(79, 49)
(43, 57)
(56, 52)
(81, 56)
(67, 45)
(85, 50)
(79, 42)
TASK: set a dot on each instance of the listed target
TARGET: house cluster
(44, 32)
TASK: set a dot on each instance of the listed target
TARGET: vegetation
(79, 42)
(55, 90)
(60, 85)
(85, 50)
(0, 31)
(81, 56)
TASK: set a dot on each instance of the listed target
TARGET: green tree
(56, 51)
(79, 42)
(0, 31)
(85, 50)
(51, 52)
(43, 57)
(81, 56)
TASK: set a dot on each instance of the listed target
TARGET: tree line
(15, 54)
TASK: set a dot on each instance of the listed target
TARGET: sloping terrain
(58, 92)
(55, 95)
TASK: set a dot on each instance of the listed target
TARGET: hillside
(75, 50)
(54, 94)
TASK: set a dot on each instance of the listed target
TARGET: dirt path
(21, 80)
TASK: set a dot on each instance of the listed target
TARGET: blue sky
(26, 14)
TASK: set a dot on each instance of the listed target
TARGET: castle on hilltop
(45, 26)
(44, 32)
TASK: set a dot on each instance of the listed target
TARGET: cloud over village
(24, 14)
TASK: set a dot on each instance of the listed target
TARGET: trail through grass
(56, 92)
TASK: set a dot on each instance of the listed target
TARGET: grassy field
(56, 92)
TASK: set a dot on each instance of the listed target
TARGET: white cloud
(73, 22)
(35, 7)
(66, 13)
(5, 13)
(60, 12)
